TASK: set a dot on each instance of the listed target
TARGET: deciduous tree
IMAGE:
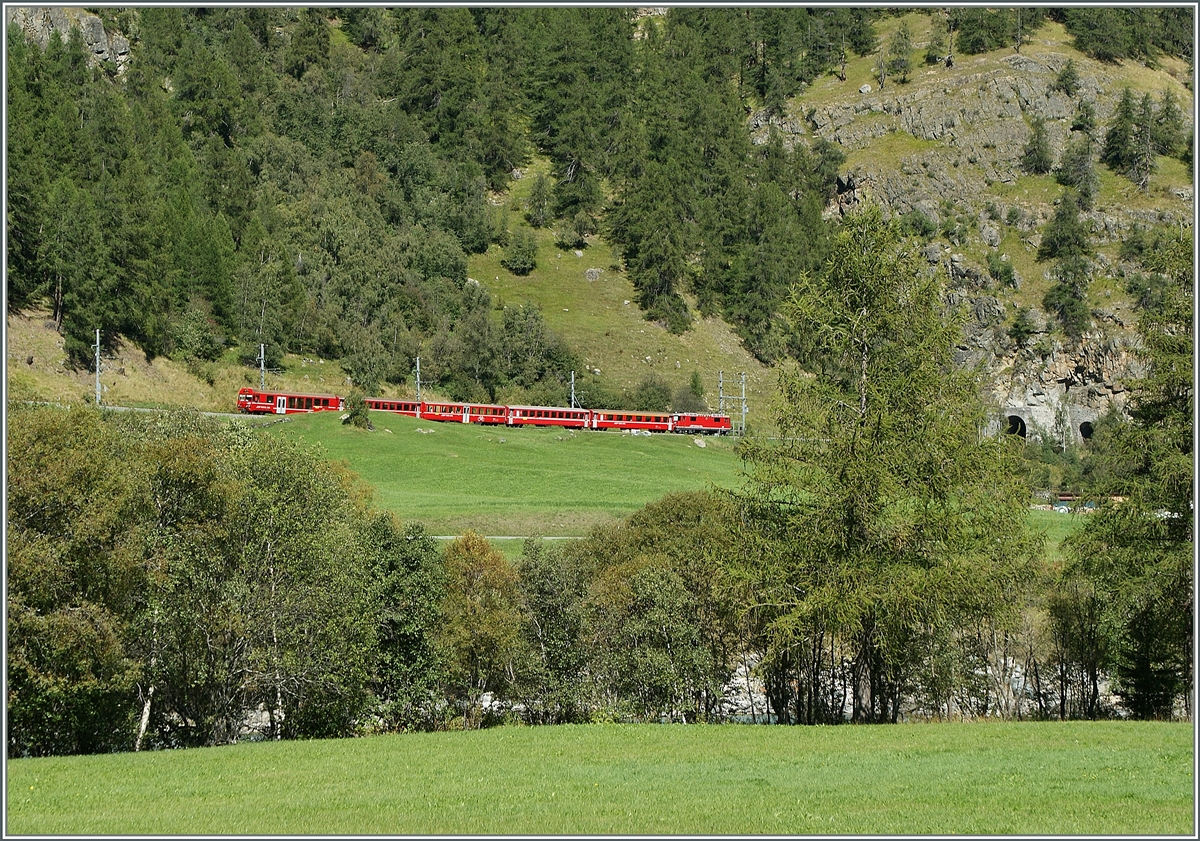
(886, 522)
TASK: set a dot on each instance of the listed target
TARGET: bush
(1022, 328)
(652, 395)
(359, 415)
(1067, 80)
(1000, 269)
(916, 223)
(521, 256)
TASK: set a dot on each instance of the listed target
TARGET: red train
(256, 402)
(560, 416)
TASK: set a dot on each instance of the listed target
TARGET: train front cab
(701, 424)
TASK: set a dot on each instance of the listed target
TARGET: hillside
(357, 247)
(948, 145)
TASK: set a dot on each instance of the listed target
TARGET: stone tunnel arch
(1016, 426)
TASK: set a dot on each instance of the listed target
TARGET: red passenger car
(652, 421)
(255, 402)
(400, 407)
(548, 416)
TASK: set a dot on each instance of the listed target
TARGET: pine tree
(1138, 553)
(1142, 163)
(1085, 118)
(1037, 157)
(1168, 125)
(1067, 80)
(1076, 170)
(1118, 150)
(900, 53)
(1065, 234)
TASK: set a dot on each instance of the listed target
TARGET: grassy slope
(1086, 778)
(602, 322)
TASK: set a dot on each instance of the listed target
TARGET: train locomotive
(254, 401)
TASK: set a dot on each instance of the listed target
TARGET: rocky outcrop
(980, 123)
(38, 22)
(972, 125)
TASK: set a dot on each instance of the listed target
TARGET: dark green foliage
(1138, 554)
(1000, 269)
(1076, 170)
(551, 674)
(1143, 150)
(531, 353)
(1085, 118)
(1037, 157)
(1066, 235)
(356, 411)
(900, 54)
(1067, 79)
(916, 223)
(1167, 125)
(309, 47)
(573, 235)
(538, 213)
(687, 400)
(1067, 297)
(520, 257)
(652, 395)
(936, 50)
(981, 30)
(410, 577)
(1022, 328)
(1111, 34)
(1119, 150)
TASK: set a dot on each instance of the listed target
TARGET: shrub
(1000, 269)
(358, 414)
(521, 256)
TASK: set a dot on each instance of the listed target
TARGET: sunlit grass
(499, 481)
(1085, 778)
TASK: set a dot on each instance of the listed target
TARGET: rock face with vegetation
(37, 22)
(947, 147)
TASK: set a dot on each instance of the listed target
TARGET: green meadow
(497, 481)
(1069, 778)
(518, 482)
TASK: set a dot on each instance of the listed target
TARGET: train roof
(552, 408)
(287, 393)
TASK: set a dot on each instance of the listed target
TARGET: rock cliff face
(39, 21)
(976, 122)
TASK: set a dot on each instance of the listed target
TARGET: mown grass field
(498, 481)
(1084, 778)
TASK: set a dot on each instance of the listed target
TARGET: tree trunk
(137, 744)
